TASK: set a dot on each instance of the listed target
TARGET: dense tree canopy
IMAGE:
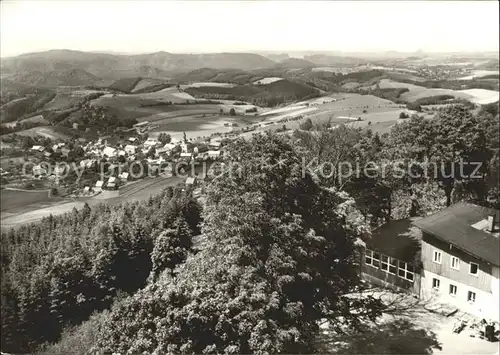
(57, 272)
(277, 259)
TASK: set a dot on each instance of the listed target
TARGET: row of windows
(455, 263)
(390, 265)
(471, 296)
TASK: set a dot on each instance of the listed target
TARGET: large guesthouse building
(451, 257)
(461, 259)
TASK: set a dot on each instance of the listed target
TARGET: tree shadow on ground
(399, 336)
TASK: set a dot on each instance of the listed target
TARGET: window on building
(393, 265)
(437, 257)
(471, 296)
(406, 271)
(368, 257)
(473, 269)
(384, 261)
(372, 258)
(436, 283)
(402, 269)
(376, 260)
(453, 290)
(455, 263)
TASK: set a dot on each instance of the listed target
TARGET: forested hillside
(56, 273)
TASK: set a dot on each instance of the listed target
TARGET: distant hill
(277, 57)
(327, 60)
(86, 67)
(234, 76)
(292, 63)
(65, 77)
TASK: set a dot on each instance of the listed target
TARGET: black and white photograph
(249, 177)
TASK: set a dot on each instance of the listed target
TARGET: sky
(237, 26)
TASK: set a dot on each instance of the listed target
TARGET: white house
(186, 155)
(111, 183)
(109, 152)
(191, 180)
(123, 176)
(98, 186)
(39, 171)
(151, 142)
(214, 154)
(170, 146)
(38, 148)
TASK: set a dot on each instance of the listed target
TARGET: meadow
(479, 96)
(14, 199)
(52, 132)
(33, 119)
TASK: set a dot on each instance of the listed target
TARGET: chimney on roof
(491, 222)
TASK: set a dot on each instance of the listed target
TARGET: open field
(132, 105)
(198, 126)
(13, 199)
(147, 83)
(479, 74)
(169, 94)
(418, 92)
(290, 114)
(482, 96)
(379, 114)
(479, 96)
(159, 118)
(129, 106)
(33, 119)
(288, 108)
(36, 213)
(68, 97)
(140, 190)
(329, 69)
(268, 80)
(52, 132)
(204, 84)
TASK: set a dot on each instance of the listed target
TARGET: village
(109, 163)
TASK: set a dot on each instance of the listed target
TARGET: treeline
(388, 94)
(125, 85)
(56, 273)
(454, 84)
(278, 92)
(443, 99)
(413, 147)
(18, 108)
(100, 117)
